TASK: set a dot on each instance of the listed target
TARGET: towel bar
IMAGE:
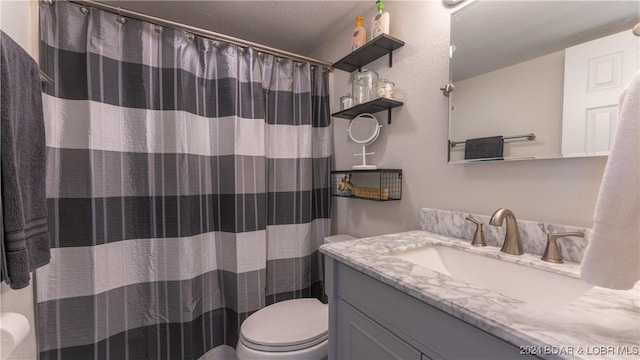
(45, 78)
(529, 137)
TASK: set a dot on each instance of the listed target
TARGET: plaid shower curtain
(187, 185)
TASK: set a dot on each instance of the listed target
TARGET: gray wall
(553, 191)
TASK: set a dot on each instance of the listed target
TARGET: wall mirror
(543, 75)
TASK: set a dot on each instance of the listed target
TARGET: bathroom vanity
(371, 320)
(385, 306)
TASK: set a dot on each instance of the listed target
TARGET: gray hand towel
(22, 165)
(481, 148)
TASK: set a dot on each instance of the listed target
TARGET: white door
(595, 74)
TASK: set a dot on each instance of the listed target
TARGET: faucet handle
(551, 253)
(478, 237)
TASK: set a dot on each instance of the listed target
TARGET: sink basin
(533, 286)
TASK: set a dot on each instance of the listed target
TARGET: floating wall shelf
(379, 184)
(373, 106)
(372, 50)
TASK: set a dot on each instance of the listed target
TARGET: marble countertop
(601, 324)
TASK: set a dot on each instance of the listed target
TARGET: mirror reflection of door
(595, 74)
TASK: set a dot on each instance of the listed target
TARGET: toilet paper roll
(14, 328)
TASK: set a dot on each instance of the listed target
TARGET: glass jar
(364, 84)
(346, 101)
(385, 88)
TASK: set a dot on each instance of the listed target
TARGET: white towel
(612, 258)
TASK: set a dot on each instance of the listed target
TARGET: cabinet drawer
(432, 331)
(367, 340)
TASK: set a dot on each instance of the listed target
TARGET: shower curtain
(187, 186)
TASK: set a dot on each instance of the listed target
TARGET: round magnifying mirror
(364, 129)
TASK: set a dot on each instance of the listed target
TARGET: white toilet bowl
(293, 329)
(289, 330)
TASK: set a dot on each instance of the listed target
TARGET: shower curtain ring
(120, 19)
(48, 2)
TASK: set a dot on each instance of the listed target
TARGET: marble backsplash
(533, 235)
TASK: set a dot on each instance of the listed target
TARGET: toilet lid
(287, 326)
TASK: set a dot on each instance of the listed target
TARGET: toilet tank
(338, 238)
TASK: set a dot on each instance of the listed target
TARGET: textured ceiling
(490, 35)
(294, 26)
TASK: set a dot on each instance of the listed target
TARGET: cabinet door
(364, 339)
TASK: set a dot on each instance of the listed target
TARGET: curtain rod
(198, 31)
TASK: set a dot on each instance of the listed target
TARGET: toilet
(292, 329)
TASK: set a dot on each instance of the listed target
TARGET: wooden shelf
(372, 50)
(372, 107)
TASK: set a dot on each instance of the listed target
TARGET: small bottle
(380, 23)
(385, 88)
(359, 36)
(346, 101)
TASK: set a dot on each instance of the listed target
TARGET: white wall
(557, 191)
(19, 20)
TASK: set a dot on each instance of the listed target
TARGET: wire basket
(370, 193)
(378, 185)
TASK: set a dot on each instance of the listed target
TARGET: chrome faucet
(511, 244)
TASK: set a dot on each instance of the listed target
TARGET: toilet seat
(286, 326)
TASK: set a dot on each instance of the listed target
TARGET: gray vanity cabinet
(371, 320)
(363, 338)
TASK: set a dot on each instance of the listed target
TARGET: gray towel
(24, 232)
(482, 148)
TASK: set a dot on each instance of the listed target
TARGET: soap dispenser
(358, 36)
(380, 23)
